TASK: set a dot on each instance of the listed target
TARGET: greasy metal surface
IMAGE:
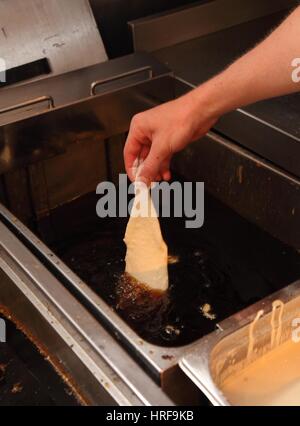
(64, 31)
(26, 377)
(218, 347)
(43, 334)
(176, 26)
(76, 85)
(86, 350)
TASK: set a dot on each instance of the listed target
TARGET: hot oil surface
(176, 319)
(222, 267)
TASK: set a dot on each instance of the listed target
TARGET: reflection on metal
(179, 25)
(35, 29)
(220, 354)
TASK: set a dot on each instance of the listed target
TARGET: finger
(158, 178)
(144, 152)
(151, 167)
(132, 151)
(166, 175)
(165, 169)
(143, 155)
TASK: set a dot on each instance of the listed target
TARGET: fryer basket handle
(121, 76)
(31, 102)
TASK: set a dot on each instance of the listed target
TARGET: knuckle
(136, 120)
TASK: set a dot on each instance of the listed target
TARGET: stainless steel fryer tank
(62, 137)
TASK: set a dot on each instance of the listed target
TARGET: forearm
(264, 72)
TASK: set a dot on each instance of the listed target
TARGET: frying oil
(272, 379)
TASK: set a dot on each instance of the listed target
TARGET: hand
(155, 135)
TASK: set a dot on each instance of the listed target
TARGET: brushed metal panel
(64, 31)
(254, 188)
(176, 26)
(77, 172)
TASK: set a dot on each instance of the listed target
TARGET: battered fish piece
(147, 254)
